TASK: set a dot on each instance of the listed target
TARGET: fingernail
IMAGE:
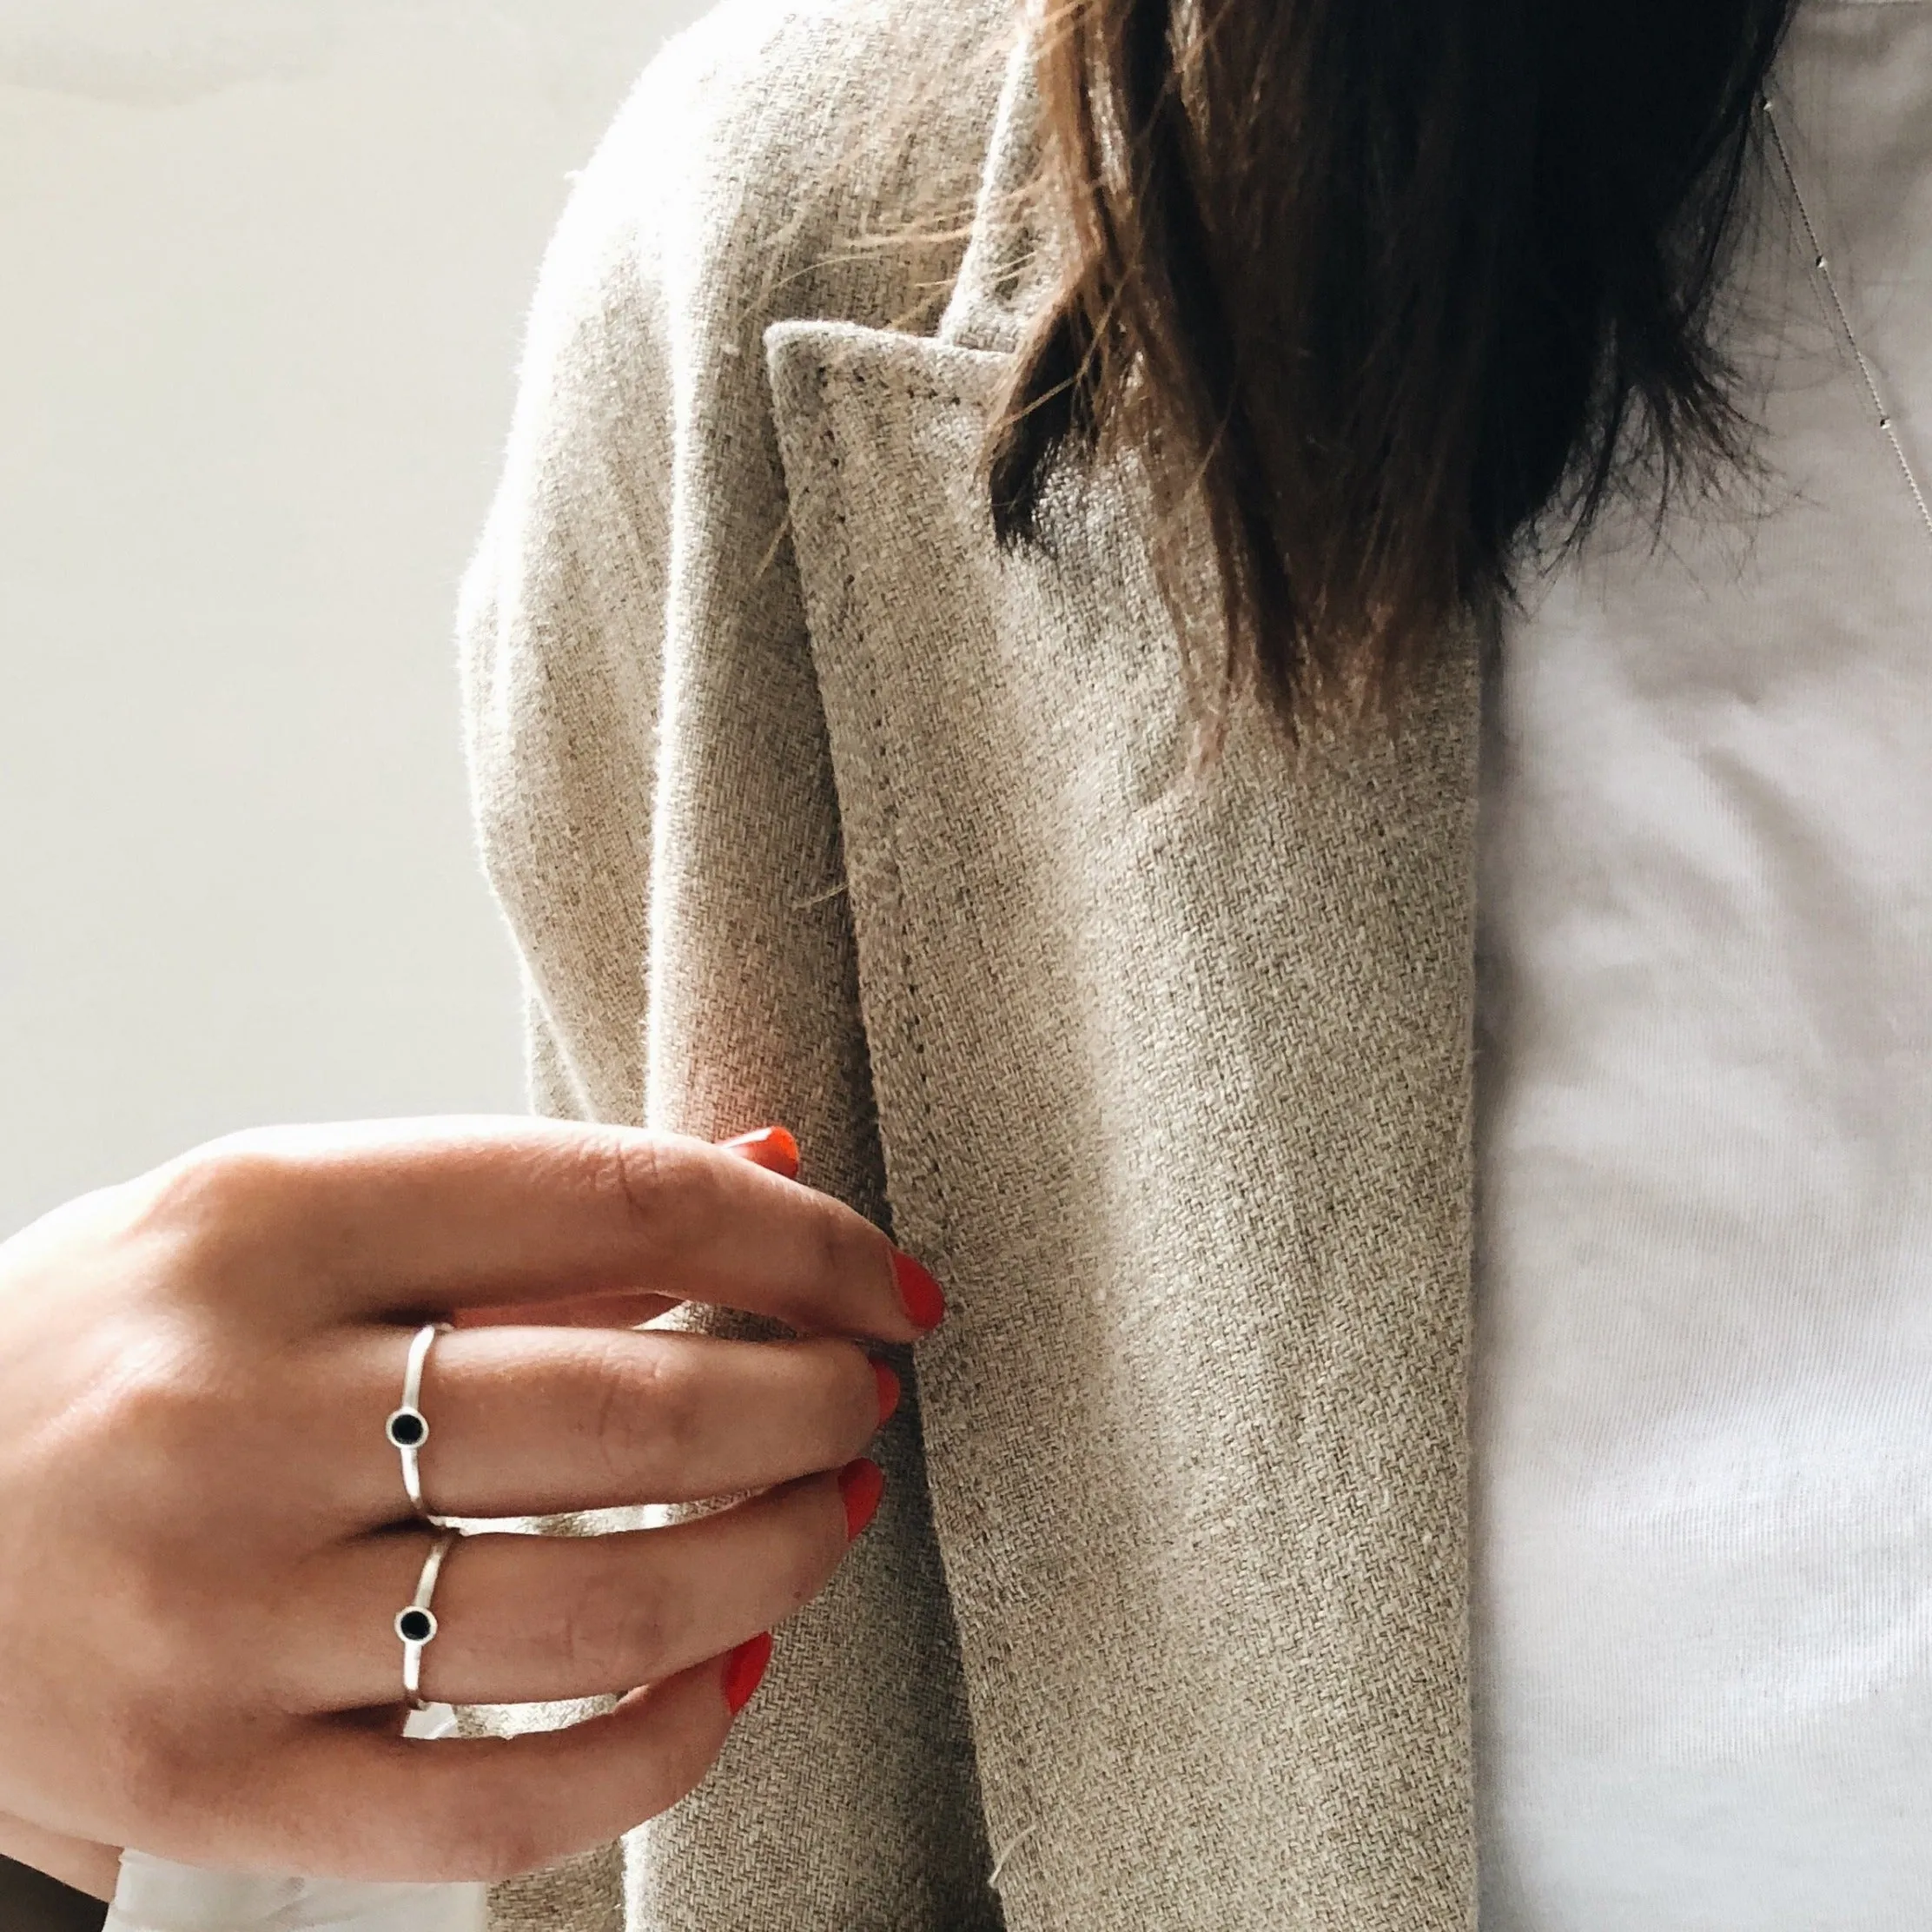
(745, 1672)
(768, 1146)
(925, 1301)
(889, 1390)
(860, 1483)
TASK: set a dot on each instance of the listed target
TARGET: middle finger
(528, 1421)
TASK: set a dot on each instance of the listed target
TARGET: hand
(204, 1533)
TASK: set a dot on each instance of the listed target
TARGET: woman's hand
(204, 1538)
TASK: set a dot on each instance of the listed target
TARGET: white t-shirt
(1703, 1398)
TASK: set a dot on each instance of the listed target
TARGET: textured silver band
(416, 1625)
(407, 1427)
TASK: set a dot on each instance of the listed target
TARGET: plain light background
(264, 266)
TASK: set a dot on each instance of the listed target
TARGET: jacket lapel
(1173, 1076)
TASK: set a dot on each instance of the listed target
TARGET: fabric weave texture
(806, 804)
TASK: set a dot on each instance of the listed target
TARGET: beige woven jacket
(807, 805)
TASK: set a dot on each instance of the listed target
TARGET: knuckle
(216, 1199)
(844, 1249)
(508, 1850)
(611, 1627)
(683, 1774)
(807, 1558)
(236, 1174)
(644, 1414)
(484, 1837)
(846, 1395)
(638, 1173)
(145, 1767)
(503, 1847)
(169, 1400)
(638, 1166)
(176, 1607)
(832, 1246)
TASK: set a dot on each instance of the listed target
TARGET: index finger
(409, 1217)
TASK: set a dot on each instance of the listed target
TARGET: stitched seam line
(887, 807)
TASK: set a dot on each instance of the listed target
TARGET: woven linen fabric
(806, 804)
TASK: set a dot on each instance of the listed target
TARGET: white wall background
(262, 270)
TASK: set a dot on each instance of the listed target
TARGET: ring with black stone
(407, 1427)
(416, 1625)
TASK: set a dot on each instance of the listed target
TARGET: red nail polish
(745, 1672)
(768, 1146)
(889, 1390)
(925, 1301)
(860, 1483)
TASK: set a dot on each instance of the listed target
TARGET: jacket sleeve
(656, 807)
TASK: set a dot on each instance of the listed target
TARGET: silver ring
(407, 1427)
(416, 1625)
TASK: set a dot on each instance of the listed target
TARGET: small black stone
(415, 1625)
(408, 1431)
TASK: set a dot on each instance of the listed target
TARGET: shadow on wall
(134, 50)
(139, 52)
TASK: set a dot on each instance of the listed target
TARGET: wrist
(85, 1867)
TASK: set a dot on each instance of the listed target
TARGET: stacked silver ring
(407, 1427)
(408, 1430)
(416, 1622)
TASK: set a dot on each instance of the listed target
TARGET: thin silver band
(407, 1427)
(416, 1625)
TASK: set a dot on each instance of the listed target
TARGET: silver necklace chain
(1881, 412)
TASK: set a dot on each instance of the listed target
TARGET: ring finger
(528, 1620)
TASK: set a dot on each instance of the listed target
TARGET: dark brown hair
(1378, 290)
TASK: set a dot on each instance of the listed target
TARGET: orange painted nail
(925, 1301)
(768, 1146)
(745, 1672)
(889, 1390)
(860, 1483)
